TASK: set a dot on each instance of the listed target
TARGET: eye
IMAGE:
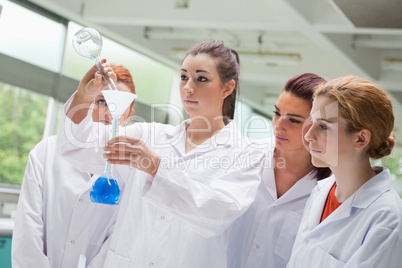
(183, 77)
(323, 127)
(295, 121)
(101, 102)
(202, 79)
(276, 113)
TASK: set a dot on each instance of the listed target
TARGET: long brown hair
(227, 62)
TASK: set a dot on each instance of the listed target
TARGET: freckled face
(101, 111)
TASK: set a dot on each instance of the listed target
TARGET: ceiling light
(392, 64)
(256, 57)
(377, 42)
(181, 3)
(266, 57)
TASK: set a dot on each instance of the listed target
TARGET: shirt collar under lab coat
(362, 198)
(228, 136)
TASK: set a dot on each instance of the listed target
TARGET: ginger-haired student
(56, 222)
(353, 218)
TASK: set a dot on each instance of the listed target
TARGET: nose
(108, 114)
(280, 123)
(188, 87)
(309, 136)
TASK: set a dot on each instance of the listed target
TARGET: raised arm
(89, 86)
(209, 201)
(79, 139)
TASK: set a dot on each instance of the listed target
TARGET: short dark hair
(303, 85)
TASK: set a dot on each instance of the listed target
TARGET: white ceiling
(318, 36)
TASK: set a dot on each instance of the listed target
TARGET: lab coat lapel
(171, 135)
(342, 212)
(268, 175)
(225, 138)
(323, 186)
(302, 187)
(361, 199)
(268, 181)
(374, 187)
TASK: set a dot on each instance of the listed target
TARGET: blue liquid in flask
(105, 191)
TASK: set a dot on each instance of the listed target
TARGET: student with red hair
(56, 221)
(353, 218)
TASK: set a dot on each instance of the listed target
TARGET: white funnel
(118, 101)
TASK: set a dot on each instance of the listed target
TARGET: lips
(279, 138)
(314, 151)
(106, 122)
(190, 101)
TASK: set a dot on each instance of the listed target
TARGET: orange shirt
(331, 204)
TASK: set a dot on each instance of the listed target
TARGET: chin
(318, 162)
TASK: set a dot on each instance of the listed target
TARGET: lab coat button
(257, 246)
(81, 200)
(162, 217)
(151, 264)
(305, 242)
(72, 241)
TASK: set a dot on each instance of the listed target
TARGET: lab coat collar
(361, 199)
(372, 189)
(228, 136)
(302, 187)
(323, 188)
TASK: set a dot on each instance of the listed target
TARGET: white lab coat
(364, 231)
(264, 235)
(178, 218)
(56, 222)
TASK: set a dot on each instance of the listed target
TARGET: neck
(201, 129)
(289, 167)
(298, 162)
(350, 178)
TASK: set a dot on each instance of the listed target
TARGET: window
(21, 128)
(34, 39)
(394, 163)
(252, 123)
(152, 79)
(41, 69)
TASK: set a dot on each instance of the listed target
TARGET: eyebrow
(197, 71)
(294, 115)
(325, 119)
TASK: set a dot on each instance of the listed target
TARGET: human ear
(230, 86)
(363, 138)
